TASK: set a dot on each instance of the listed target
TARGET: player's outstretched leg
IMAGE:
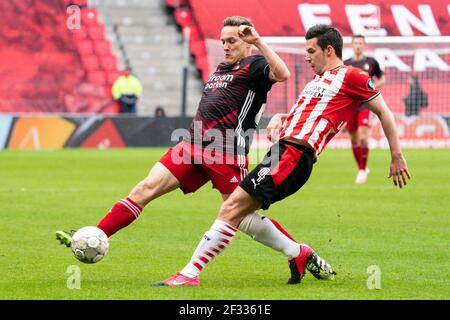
(214, 241)
(309, 260)
(65, 237)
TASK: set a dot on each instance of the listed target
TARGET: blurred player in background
(319, 113)
(359, 122)
(232, 102)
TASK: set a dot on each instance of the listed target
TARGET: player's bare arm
(276, 124)
(278, 70)
(380, 82)
(398, 169)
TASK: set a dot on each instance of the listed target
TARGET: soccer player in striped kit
(231, 105)
(320, 112)
(358, 125)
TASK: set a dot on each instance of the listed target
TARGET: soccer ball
(89, 244)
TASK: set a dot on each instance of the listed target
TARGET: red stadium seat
(197, 47)
(184, 17)
(112, 76)
(102, 47)
(97, 77)
(96, 32)
(89, 16)
(108, 90)
(195, 33)
(175, 3)
(90, 63)
(84, 47)
(108, 62)
(112, 107)
(79, 34)
(80, 3)
(202, 64)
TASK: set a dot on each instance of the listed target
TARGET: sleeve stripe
(373, 97)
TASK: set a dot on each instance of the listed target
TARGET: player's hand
(275, 126)
(248, 34)
(399, 171)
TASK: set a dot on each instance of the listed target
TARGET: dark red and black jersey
(232, 103)
(368, 64)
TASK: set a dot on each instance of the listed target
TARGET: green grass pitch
(403, 233)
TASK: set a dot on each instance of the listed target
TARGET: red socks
(123, 213)
(364, 156)
(282, 230)
(361, 154)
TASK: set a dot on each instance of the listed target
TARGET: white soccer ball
(89, 244)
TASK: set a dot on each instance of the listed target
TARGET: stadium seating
(184, 18)
(175, 3)
(58, 69)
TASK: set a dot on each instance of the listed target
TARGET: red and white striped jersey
(325, 105)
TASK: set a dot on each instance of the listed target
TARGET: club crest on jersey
(370, 85)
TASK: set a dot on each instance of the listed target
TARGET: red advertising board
(293, 17)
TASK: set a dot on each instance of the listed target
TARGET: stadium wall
(50, 132)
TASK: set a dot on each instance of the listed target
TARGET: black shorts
(284, 170)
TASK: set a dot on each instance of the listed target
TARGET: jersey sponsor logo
(215, 82)
(314, 91)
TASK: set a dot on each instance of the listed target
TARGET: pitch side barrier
(50, 131)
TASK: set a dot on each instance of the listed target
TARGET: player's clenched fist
(248, 34)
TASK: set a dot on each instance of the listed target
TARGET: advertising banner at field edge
(103, 132)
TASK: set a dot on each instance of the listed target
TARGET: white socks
(216, 239)
(261, 229)
(213, 242)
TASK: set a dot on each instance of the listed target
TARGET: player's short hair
(236, 21)
(359, 36)
(326, 35)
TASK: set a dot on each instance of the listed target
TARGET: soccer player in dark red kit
(358, 125)
(231, 105)
(320, 112)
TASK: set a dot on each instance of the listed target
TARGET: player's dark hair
(236, 21)
(359, 36)
(326, 36)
